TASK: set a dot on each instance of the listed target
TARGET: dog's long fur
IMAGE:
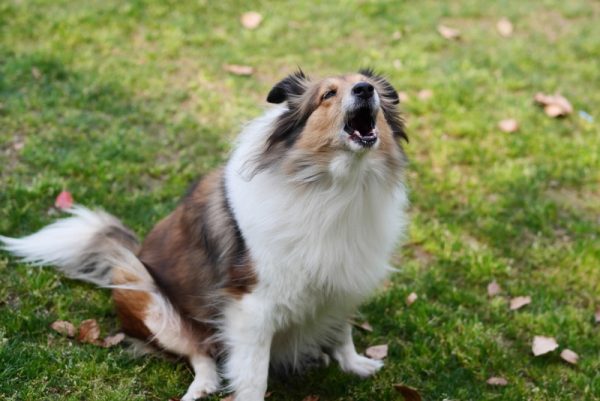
(264, 260)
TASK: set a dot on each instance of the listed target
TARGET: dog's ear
(385, 86)
(293, 85)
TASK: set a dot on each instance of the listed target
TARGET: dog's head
(340, 109)
(354, 113)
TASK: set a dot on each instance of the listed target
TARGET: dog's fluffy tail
(85, 246)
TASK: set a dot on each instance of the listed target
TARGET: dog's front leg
(248, 334)
(349, 360)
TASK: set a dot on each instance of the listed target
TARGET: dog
(264, 260)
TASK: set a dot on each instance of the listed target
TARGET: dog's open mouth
(360, 125)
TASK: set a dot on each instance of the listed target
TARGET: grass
(125, 103)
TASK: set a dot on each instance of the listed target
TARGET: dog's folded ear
(293, 85)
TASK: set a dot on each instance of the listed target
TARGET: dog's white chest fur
(314, 248)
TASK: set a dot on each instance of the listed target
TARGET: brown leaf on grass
(411, 298)
(519, 302)
(509, 125)
(64, 200)
(18, 145)
(236, 69)
(377, 352)
(311, 398)
(63, 327)
(268, 394)
(409, 393)
(569, 356)
(251, 20)
(403, 96)
(448, 33)
(497, 381)
(597, 316)
(89, 331)
(493, 289)
(554, 105)
(228, 398)
(36, 73)
(504, 27)
(366, 326)
(425, 94)
(542, 345)
(111, 341)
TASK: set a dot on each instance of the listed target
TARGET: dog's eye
(329, 94)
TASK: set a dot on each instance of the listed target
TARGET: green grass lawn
(125, 103)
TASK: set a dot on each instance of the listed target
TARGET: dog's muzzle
(360, 119)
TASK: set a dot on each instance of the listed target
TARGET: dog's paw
(200, 388)
(361, 365)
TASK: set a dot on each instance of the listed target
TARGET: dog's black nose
(363, 90)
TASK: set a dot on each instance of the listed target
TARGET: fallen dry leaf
(497, 381)
(448, 33)
(111, 341)
(569, 356)
(403, 96)
(504, 27)
(311, 398)
(268, 394)
(89, 331)
(377, 352)
(235, 69)
(36, 73)
(509, 125)
(554, 105)
(366, 326)
(425, 94)
(493, 289)
(542, 345)
(63, 327)
(597, 316)
(64, 200)
(519, 302)
(411, 298)
(251, 20)
(409, 393)
(18, 145)
(228, 398)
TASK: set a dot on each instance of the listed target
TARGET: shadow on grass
(75, 130)
(67, 129)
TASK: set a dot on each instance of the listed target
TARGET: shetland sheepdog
(264, 260)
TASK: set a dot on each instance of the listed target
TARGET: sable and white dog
(264, 260)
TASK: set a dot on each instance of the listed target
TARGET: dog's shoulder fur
(197, 255)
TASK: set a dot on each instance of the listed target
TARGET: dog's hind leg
(148, 315)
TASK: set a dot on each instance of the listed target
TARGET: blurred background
(124, 103)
